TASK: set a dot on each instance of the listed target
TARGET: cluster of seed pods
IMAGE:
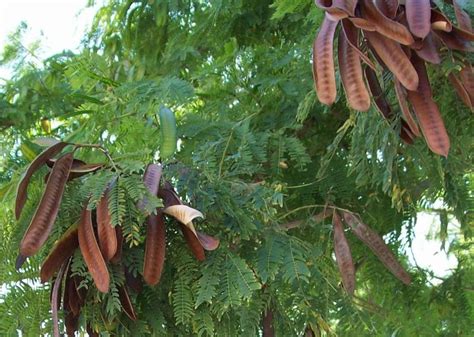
(99, 242)
(401, 37)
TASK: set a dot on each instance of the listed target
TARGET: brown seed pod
(62, 251)
(338, 8)
(22, 191)
(418, 17)
(127, 304)
(343, 255)
(460, 90)
(91, 252)
(467, 79)
(105, 231)
(402, 101)
(55, 299)
(377, 94)
(395, 59)
(151, 179)
(387, 7)
(363, 24)
(78, 169)
(352, 36)
(267, 322)
(154, 249)
(323, 62)
(72, 324)
(429, 50)
(45, 215)
(118, 254)
(377, 245)
(351, 74)
(463, 19)
(386, 27)
(440, 22)
(193, 243)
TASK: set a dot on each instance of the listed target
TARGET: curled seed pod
(169, 196)
(386, 27)
(351, 74)
(395, 59)
(402, 101)
(151, 179)
(343, 255)
(323, 62)
(338, 8)
(127, 304)
(22, 191)
(418, 17)
(154, 249)
(45, 215)
(377, 245)
(106, 232)
(193, 243)
(62, 251)
(91, 252)
(440, 22)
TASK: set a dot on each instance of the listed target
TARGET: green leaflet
(168, 133)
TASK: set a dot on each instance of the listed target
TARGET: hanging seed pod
(72, 324)
(193, 243)
(154, 249)
(323, 62)
(338, 9)
(106, 232)
(39, 161)
(463, 19)
(460, 90)
(352, 37)
(418, 17)
(377, 245)
(45, 215)
(78, 169)
(151, 179)
(467, 79)
(267, 322)
(351, 74)
(387, 7)
(127, 305)
(377, 94)
(133, 282)
(343, 255)
(91, 252)
(118, 254)
(54, 300)
(429, 50)
(402, 102)
(168, 132)
(61, 252)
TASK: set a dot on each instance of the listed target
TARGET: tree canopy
(212, 193)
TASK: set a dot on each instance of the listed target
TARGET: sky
(60, 24)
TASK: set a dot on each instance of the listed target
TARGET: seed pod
(429, 50)
(343, 255)
(338, 8)
(387, 7)
(154, 249)
(323, 62)
(418, 17)
(151, 179)
(45, 215)
(460, 90)
(377, 245)
(352, 36)
(105, 230)
(54, 300)
(193, 243)
(467, 79)
(168, 133)
(22, 192)
(395, 59)
(267, 322)
(72, 324)
(377, 94)
(402, 101)
(62, 251)
(440, 22)
(386, 27)
(463, 19)
(118, 254)
(133, 282)
(127, 304)
(91, 252)
(351, 74)
(363, 24)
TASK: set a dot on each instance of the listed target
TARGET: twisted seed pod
(427, 112)
(352, 36)
(377, 245)
(151, 179)
(61, 252)
(418, 17)
(78, 168)
(127, 304)
(440, 22)
(395, 59)
(402, 101)
(323, 62)
(460, 90)
(338, 8)
(351, 74)
(193, 243)
(91, 252)
(45, 215)
(22, 191)
(387, 7)
(429, 50)
(385, 26)
(154, 249)
(343, 255)
(105, 230)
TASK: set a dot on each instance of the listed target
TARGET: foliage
(257, 154)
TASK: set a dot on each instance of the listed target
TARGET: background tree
(263, 160)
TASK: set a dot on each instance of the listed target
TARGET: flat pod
(105, 230)
(377, 245)
(418, 17)
(193, 243)
(127, 305)
(323, 62)
(467, 79)
(91, 252)
(60, 253)
(352, 35)
(460, 90)
(343, 255)
(338, 8)
(151, 179)
(463, 19)
(39, 161)
(389, 8)
(352, 76)
(54, 300)
(377, 94)
(402, 102)
(45, 215)
(429, 50)
(118, 254)
(154, 249)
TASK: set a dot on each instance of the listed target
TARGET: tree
(269, 166)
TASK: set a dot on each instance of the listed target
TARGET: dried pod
(54, 300)
(45, 215)
(78, 169)
(363, 24)
(61, 252)
(418, 17)
(72, 324)
(105, 230)
(343, 255)
(154, 249)
(351, 74)
(429, 50)
(323, 62)
(193, 243)
(463, 19)
(151, 179)
(467, 79)
(352, 36)
(207, 242)
(126, 303)
(387, 7)
(338, 8)
(460, 90)
(395, 59)
(91, 252)
(22, 191)
(439, 22)
(402, 101)
(377, 245)
(118, 254)
(377, 94)
(267, 322)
